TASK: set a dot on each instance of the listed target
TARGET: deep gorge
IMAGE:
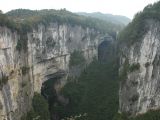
(78, 67)
(66, 104)
(32, 55)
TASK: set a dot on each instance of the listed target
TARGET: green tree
(40, 107)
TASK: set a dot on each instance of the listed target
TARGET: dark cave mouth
(49, 92)
(47, 89)
(104, 51)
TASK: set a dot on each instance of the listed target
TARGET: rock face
(47, 56)
(140, 90)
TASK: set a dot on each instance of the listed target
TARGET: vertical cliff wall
(47, 55)
(140, 68)
(13, 95)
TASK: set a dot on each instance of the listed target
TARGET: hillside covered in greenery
(138, 27)
(31, 18)
(5, 21)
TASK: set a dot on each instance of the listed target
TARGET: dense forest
(94, 93)
(27, 19)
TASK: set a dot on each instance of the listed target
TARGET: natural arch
(50, 92)
(105, 50)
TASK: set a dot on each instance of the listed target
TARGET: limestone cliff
(140, 86)
(47, 56)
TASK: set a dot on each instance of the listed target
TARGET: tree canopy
(5, 21)
(138, 27)
(32, 18)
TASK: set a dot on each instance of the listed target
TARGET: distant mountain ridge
(116, 19)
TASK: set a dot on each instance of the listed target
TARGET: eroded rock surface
(48, 53)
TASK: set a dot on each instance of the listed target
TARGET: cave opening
(50, 93)
(105, 51)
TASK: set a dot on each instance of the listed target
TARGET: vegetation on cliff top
(5, 21)
(138, 27)
(35, 17)
(24, 20)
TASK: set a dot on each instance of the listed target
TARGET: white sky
(117, 7)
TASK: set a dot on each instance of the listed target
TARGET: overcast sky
(117, 7)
